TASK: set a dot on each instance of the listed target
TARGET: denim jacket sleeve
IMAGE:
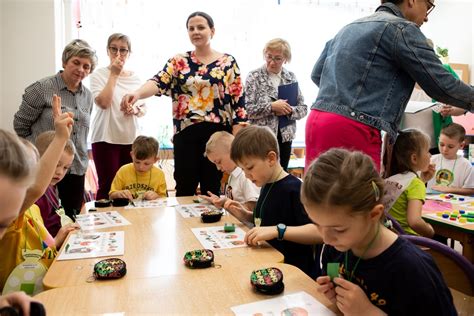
(318, 67)
(421, 63)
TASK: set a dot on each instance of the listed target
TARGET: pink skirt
(325, 130)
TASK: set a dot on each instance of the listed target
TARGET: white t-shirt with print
(457, 173)
(241, 189)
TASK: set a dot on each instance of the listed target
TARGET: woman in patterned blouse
(261, 97)
(207, 94)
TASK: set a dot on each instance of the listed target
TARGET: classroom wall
(28, 50)
(32, 37)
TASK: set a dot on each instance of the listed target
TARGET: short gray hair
(79, 48)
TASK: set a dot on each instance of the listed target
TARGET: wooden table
(451, 229)
(155, 244)
(207, 291)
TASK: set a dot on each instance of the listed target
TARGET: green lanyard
(358, 260)
(149, 181)
(258, 219)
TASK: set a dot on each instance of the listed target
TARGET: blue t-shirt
(283, 205)
(402, 280)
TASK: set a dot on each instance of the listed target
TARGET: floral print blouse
(202, 93)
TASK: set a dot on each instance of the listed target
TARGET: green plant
(441, 52)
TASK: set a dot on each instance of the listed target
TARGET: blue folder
(288, 92)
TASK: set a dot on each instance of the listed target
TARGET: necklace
(363, 253)
(258, 218)
(149, 182)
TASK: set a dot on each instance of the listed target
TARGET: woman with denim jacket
(366, 75)
(263, 106)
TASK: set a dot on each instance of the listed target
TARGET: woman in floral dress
(207, 94)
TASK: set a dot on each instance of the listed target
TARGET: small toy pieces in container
(112, 268)
(211, 216)
(102, 203)
(199, 258)
(267, 281)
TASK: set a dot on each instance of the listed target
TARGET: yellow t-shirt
(138, 183)
(27, 231)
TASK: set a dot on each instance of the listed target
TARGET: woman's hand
(352, 300)
(116, 66)
(128, 100)
(263, 233)
(448, 110)
(281, 107)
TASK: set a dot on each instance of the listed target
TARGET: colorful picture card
(93, 244)
(300, 303)
(216, 238)
(160, 203)
(194, 210)
(100, 220)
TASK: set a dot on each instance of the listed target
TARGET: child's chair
(457, 271)
(395, 225)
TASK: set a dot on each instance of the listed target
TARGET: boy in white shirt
(238, 187)
(454, 173)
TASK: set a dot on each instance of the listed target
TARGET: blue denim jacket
(367, 72)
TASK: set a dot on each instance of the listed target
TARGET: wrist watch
(281, 228)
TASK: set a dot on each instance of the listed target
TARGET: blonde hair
(219, 140)
(343, 178)
(46, 138)
(16, 162)
(145, 147)
(281, 45)
(409, 141)
(253, 141)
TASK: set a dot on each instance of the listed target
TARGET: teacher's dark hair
(208, 18)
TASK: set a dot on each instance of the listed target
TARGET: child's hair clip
(376, 191)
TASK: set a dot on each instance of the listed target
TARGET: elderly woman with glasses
(113, 131)
(35, 114)
(263, 105)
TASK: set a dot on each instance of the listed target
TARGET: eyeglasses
(276, 59)
(114, 50)
(430, 6)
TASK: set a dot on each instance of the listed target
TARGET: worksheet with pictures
(300, 303)
(194, 210)
(139, 203)
(215, 238)
(93, 244)
(99, 220)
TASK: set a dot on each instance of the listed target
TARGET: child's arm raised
(415, 221)
(63, 123)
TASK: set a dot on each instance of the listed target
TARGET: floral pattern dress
(202, 93)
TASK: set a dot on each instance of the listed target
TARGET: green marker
(333, 270)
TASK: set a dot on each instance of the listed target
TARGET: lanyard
(32, 222)
(258, 217)
(358, 260)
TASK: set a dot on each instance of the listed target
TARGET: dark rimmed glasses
(115, 50)
(430, 6)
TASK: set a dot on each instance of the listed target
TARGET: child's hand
(326, 287)
(428, 173)
(352, 300)
(217, 201)
(124, 194)
(257, 234)
(150, 195)
(63, 122)
(234, 207)
(63, 232)
(440, 188)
